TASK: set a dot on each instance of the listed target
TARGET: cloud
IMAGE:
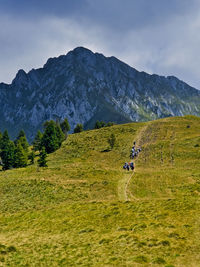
(154, 36)
(29, 44)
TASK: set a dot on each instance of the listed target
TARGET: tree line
(17, 153)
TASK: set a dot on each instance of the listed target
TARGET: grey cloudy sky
(156, 36)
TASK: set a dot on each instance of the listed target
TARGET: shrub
(141, 259)
(112, 140)
(100, 124)
(159, 261)
(78, 128)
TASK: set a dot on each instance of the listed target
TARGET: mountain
(84, 87)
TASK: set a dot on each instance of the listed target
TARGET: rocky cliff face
(85, 86)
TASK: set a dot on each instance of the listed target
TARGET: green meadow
(85, 210)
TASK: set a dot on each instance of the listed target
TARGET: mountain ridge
(84, 87)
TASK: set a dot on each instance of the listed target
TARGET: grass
(85, 210)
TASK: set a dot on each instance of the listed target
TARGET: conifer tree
(21, 158)
(37, 141)
(4, 140)
(65, 127)
(49, 138)
(7, 151)
(22, 139)
(97, 125)
(42, 161)
(78, 128)
(31, 157)
(21, 134)
(60, 135)
(52, 137)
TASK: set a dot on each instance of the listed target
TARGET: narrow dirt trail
(126, 187)
(125, 181)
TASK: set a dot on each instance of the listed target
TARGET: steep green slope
(75, 212)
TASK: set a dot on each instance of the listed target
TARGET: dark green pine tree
(4, 139)
(21, 158)
(31, 157)
(22, 139)
(7, 151)
(60, 135)
(78, 128)
(37, 141)
(97, 125)
(65, 127)
(42, 161)
(52, 137)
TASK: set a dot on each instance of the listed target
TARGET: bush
(112, 140)
(109, 124)
(141, 259)
(78, 128)
(100, 124)
(159, 261)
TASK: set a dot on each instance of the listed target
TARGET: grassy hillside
(84, 209)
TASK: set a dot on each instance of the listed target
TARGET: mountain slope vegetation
(84, 209)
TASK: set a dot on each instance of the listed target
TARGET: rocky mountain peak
(84, 87)
(20, 77)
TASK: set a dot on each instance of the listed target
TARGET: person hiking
(125, 165)
(128, 168)
(131, 165)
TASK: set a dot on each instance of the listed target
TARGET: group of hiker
(128, 166)
(134, 153)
